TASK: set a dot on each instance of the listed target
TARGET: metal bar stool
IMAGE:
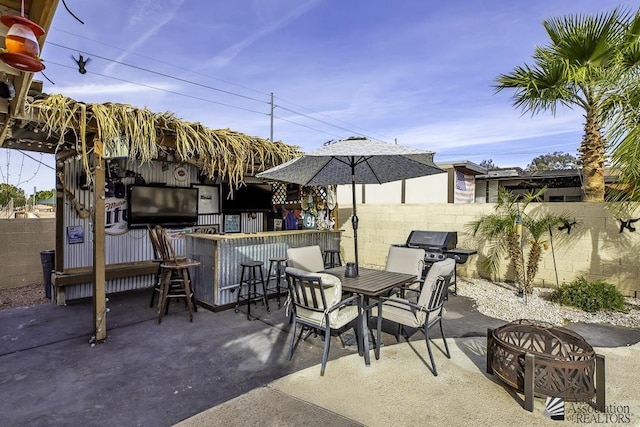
(330, 258)
(250, 267)
(280, 263)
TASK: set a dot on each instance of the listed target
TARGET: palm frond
(222, 153)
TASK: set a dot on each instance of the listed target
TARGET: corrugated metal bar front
(231, 252)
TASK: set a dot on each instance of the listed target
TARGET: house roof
(465, 166)
(549, 178)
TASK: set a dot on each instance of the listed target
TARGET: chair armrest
(343, 303)
(410, 304)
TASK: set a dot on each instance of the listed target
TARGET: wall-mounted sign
(232, 223)
(117, 214)
(75, 234)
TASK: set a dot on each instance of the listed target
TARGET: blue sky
(419, 72)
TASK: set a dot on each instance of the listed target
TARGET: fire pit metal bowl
(561, 362)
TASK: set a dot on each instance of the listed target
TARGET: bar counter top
(233, 236)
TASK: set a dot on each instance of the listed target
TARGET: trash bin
(48, 259)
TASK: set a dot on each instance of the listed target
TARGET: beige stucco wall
(20, 246)
(425, 189)
(595, 248)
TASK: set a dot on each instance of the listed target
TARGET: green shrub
(590, 296)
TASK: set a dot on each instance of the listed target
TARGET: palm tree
(580, 67)
(509, 229)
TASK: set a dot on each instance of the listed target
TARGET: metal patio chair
(317, 304)
(426, 312)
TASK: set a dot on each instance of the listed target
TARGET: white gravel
(500, 301)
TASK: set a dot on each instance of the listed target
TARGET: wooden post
(600, 381)
(60, 216)
(529, 380)
(99, 288)
(489, 351)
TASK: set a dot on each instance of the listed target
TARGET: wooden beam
(99, 286)
(60, 212)
(73, 276)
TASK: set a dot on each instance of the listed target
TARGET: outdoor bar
(217, 279)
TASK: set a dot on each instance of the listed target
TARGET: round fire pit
(564, 364)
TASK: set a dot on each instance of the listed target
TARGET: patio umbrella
(355, 161)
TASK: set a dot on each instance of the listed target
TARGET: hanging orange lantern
(21, 42)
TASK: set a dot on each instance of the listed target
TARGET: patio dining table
(370, 283)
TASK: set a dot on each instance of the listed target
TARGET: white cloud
(157, 12)
(227, 55)
(490, 128)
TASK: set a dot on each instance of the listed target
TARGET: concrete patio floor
(224, 370)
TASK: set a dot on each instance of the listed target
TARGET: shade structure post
(354, 218)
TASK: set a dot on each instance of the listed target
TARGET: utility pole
(271, 115)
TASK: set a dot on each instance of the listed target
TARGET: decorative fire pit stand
(540, 359)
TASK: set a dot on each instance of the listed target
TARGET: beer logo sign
(117, 215)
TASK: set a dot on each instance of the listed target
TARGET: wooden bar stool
(176, 289)
(332, 258)
(280, 263)
(250, 268)
(174, 275)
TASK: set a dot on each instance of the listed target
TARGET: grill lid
(433, 240)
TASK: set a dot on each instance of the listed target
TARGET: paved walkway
(225, 370)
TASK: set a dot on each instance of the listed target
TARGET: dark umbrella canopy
(355, 161)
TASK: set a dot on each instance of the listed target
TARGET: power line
(308, 127)
(352, 132)
(165, 90)
(40, 162)
(328, 116)
(161, 62)
(36, 171)
(318, 120)
(93, 55)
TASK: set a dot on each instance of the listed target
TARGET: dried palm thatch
(224, 153)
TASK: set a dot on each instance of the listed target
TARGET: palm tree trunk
(515, 254)
(592, 151)
(533, 262)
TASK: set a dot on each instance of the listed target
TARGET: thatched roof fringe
(227, 154)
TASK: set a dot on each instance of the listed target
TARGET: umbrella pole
(354, 217)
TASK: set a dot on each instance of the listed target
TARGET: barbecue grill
(438, 245)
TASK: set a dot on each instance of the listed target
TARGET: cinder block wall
(21, 241)
(594, 249)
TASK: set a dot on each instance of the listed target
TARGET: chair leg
(325, 354)
(156, 287)
(445, 340)
(426, 338)
(187, 290)
(237, 307)
(265, 297)
(293, 338)
(162, 302)
(399, 331)
(278, 280)
(193, 294)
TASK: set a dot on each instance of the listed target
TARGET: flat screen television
(247, 198)
(159, 205)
